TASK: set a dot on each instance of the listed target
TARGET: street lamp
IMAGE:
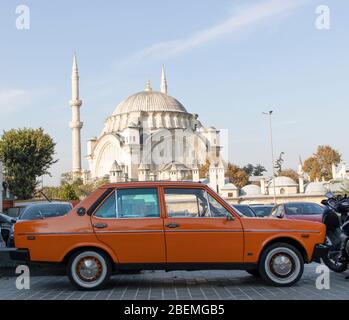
(270, 114)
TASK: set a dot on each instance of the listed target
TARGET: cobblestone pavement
(178, 285)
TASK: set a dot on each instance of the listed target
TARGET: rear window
(45, 211)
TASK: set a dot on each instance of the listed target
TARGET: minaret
(163, 86)
(76, 124)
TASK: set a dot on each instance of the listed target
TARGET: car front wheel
(281, 265)
(89, 269)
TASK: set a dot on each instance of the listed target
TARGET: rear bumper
(320, 251)
(19, 254)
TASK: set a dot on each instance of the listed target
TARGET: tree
(319, 165)
(67, 192)
(252, 170)
(26, 154)
(236, 175)
(289, 173)
(279, 162)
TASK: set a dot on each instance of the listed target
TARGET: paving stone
(194, 285)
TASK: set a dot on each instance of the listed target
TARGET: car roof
(302, 202)
(185, 184)
(261, 205)
(44, 203)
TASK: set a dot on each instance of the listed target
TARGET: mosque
(149, 136)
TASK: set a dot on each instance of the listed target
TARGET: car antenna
(44, 195)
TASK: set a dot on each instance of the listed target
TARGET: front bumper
(320, 251)
(21, 255)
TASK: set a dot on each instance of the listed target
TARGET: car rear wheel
(89, 269)
(281, 265)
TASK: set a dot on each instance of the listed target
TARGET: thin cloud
(243, 17)
(14, 100)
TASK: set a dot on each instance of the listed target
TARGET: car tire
(254, 272)
(281, 265)
(89, 269)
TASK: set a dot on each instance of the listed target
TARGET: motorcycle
(336, 219)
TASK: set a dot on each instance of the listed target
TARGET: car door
(130, 223)
(197, 229)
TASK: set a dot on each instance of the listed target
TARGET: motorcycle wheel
(331, 261)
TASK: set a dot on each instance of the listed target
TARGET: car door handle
(100, 225)
(172, 225)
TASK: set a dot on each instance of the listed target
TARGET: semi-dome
(251, 190)
(315, 188)
(149, 101)
(282, 182)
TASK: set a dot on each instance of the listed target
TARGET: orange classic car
(168, 226)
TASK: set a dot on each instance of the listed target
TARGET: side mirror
(324, 202)
(230, 217)
(81, 211)
(280, 215)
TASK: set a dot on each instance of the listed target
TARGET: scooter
(336, 219)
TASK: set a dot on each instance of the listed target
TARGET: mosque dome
(282, 182)
(315, 188)
(251, 190)
(149, 101)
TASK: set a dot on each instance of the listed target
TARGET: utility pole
(270, 114)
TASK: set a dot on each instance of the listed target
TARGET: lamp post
(270, 114)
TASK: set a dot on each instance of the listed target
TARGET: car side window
(137, 203)
(130, 203)
(186, 203)
(107, 210)
(294, 209)
(217, 210)
(310, 208)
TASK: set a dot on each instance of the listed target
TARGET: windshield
(245, 210)
(35, 212)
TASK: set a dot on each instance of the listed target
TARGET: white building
(150, 135)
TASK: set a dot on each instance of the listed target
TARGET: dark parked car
(299, 210)
(244, 210)
(261, 210)
(33, 211)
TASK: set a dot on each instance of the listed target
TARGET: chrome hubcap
(89, 269)
(281, 264)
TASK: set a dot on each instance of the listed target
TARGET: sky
(228, 61)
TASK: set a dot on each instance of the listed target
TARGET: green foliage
(67, 192)
(26, 154)
(252, 170)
